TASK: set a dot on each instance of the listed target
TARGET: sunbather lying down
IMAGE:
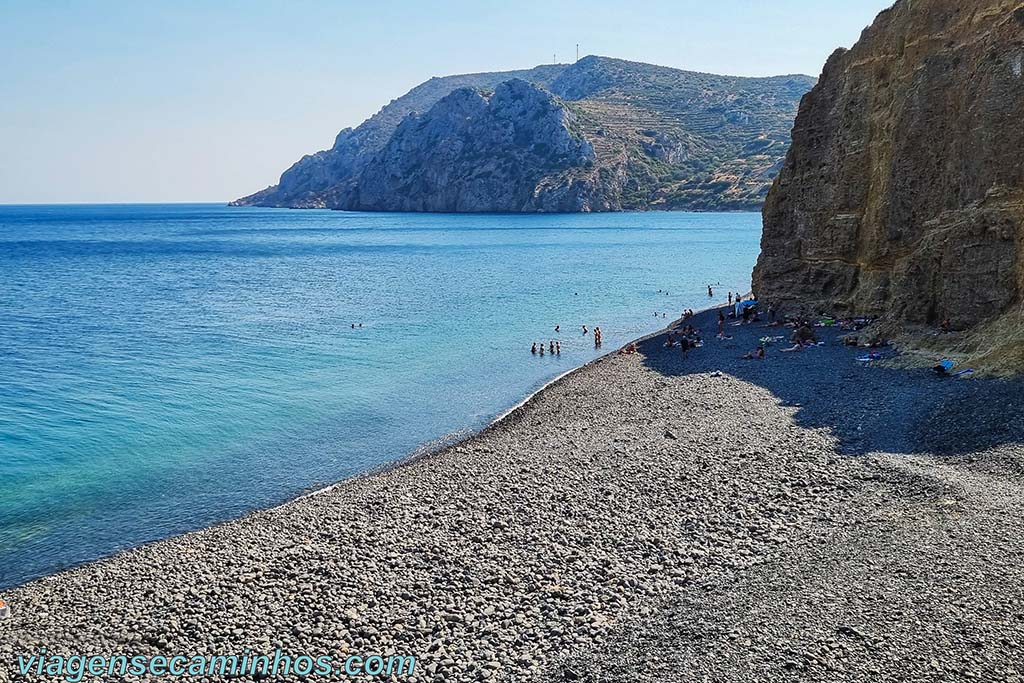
(756, 354)
(795, 348)
(803, 334)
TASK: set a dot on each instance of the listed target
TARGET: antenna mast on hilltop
(577, 52)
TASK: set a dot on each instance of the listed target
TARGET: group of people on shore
(685, 338)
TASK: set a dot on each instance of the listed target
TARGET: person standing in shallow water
(711, 292)
(534, 349)
(730, 298)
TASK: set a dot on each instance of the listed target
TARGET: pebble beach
(648, 517)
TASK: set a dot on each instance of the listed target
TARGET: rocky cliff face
(903, 190)
(509, 151)
(318, 180)
(598, 135)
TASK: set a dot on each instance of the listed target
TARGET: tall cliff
(509, 151)
(647, 137)
(903, 191)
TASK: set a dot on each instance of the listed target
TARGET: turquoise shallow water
(165, 367)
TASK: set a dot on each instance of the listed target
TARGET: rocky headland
(597, 135)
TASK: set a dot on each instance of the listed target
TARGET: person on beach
(721, 325)
(730, 298)
(803, 335)
(756, 354)
(533, 350)
(690, 343)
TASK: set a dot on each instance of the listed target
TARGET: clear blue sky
(207, 101)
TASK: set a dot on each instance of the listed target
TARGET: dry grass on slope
(994, 349)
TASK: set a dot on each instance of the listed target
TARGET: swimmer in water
(533, 350)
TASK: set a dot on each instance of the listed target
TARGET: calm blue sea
(164, 367)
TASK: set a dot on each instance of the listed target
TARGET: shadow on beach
(867, 408)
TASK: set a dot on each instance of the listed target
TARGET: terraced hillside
(661, 138)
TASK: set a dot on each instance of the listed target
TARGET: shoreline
(422, 452)
(731, 517)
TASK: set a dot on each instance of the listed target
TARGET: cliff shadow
(866, 407)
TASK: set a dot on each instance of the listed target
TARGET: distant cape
(598, 135)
